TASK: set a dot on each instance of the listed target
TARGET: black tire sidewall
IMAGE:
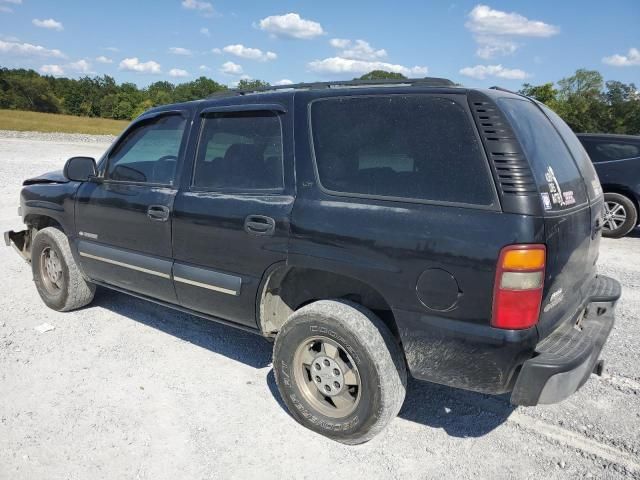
(42, 241)
(632, 215)
(369, 407)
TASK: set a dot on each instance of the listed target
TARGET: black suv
(370, 230)
(617, 161)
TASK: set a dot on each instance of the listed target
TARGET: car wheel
(55, 273)
(339, 370)
(620, 215)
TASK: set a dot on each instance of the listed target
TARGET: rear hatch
(572, 201)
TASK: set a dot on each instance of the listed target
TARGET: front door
(123, 218)
(231, 221)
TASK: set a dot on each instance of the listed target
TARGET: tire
(620, 215)
(65, 289)
(367, 356)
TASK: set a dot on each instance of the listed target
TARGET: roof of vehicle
(335, 88)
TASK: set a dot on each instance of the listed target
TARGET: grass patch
(51, 122)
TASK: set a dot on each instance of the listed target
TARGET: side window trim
(137, 123)
(275, 108)
(494, 206)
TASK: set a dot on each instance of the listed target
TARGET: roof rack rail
(413, 82)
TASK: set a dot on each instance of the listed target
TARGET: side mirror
(80, 169)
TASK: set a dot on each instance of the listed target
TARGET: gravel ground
(128, 389)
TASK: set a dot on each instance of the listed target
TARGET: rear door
(572, 200)
(231, 221)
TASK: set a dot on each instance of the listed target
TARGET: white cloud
(494, 30)
(630, 59)
(291, 25)
(357, 50)
(487, 21)
(216, 50)
(284, 81)
(489, 46)
(178, 73)
(112, 49)
(180, 51)
(205, 8)
(55, 70)
(49, 23)
(205, 31)
(134, 65)
(103, 59)
(81, 66)
(481, 72)
(241, 51)
(28, 50)
(340, 65)
(5, 9)
(231, 68)
(204, 68)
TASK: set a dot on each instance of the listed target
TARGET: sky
(496, 42)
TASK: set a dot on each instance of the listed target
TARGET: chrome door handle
(259, 225)
(158, 213)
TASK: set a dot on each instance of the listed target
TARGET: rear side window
(407, 147)
(554, 169)
(240, 152)
(578, 152)
(606, 150)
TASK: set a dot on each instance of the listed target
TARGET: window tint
(554, 169)
(605, 150)
(149, 153)
(578, 152)
(414, 146)
(240, 151)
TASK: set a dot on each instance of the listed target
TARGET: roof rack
(413, 82)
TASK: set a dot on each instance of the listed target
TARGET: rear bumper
(564, 360)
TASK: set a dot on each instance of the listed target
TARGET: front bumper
(21, 241)
(564, 360)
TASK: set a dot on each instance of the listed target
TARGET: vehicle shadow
(458, 412)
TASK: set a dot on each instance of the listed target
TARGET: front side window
(240, 151)
(149, 153)
(415, 147)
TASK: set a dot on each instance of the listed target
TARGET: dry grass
(50, 122)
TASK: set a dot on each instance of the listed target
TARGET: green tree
(252, 84)
(543, 93)
(381, 75)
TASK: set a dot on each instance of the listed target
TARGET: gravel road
(128, 389)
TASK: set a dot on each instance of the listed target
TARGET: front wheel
(339, 370)
(620, 215)
(55, 273)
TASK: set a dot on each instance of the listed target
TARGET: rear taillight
(518, 286)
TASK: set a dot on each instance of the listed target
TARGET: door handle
(259, 225)
(158, 213)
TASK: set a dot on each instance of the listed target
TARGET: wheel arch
(285, 289)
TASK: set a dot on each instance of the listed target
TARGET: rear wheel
(339, 370)
(55, 273)
(620, 215)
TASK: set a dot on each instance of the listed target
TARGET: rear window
(558, 178)
(401, 146)
(605, 150)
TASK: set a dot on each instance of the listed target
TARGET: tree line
(584, 100)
